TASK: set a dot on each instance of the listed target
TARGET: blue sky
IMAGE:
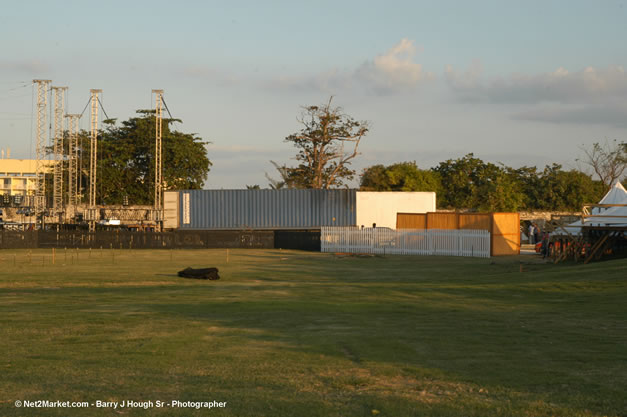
(523, 83)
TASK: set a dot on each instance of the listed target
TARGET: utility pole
(93, 161)
(73, 168)
(158, 161)
(40, 187)
(57, 200)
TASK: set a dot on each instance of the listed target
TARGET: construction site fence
(382, 241)
(200, 239)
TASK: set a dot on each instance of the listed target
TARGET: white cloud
(607, 114)
(592, 96)
(393, 71)
(557, 86)
(468, 80)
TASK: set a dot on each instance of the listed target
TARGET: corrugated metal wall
(266, 209)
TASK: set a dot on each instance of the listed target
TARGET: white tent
(606, 215)
(616, 195)
(612, 216)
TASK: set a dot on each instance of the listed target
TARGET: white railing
(474, 243)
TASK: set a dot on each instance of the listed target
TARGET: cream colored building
(17, 176)
(382, 207)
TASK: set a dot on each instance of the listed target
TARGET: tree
(528, 182)
(126, 165)
(566, 190)
(459, 181)
(402, 176)
(323, 157)
(608, 161)
(499, 193)
(285, 180)
(470, 183)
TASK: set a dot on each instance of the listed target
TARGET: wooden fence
(474, 243)
(504, 228)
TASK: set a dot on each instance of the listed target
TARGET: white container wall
(381, 207)
(471, 243)
(170, 210)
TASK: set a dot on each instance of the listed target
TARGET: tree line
(329, 139)
(326, 145)
(470, 183)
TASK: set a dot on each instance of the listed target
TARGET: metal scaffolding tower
(93, 160)
(73, 167)
(158, 160)
(59, 154)
(40, 188)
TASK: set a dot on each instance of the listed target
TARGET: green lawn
(287, 333)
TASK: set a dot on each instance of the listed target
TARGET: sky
(521, 83)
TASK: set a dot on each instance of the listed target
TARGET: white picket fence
(474, 243)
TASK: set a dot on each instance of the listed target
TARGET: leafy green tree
(554, 189)
(470, 183)
(499, 193)
(528, 182)
(561, 190)
(459, 181)
(402, 176)
(126, 164)
(326, 145)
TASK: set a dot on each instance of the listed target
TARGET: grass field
(288, 333)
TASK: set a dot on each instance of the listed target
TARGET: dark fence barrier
(18, 240)
(180, 239)
(297, 239)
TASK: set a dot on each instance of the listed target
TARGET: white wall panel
(381, 207)
(170, 210)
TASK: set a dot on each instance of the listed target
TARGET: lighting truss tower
(93, 159)
(158, 160)
(59, 154)
(40, 187)
(72, 121)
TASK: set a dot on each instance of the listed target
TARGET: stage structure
(158, 203)
(92, 214)
(40, 189)
(64, 207)
(73, 167)
(59, 154)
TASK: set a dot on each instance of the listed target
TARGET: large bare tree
(327, 143)
(608, 161)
